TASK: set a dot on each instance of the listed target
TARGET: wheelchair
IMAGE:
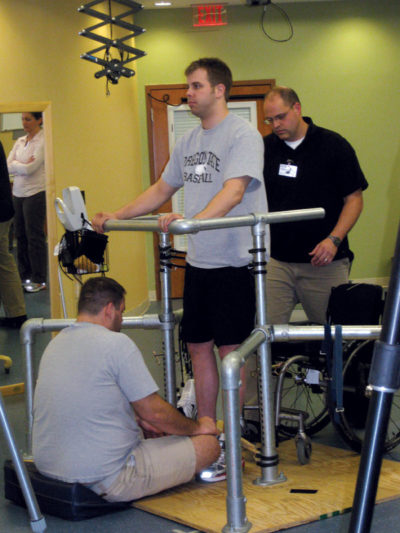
(303, 399)
(303, 405)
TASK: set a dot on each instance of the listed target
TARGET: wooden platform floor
(332, 472)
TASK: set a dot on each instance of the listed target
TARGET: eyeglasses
(278, 118)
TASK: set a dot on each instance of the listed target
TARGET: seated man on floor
(93, 392)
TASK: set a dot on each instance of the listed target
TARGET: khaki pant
(291, 283)
(11, 293)
(155, 465)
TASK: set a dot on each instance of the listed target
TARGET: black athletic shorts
(218, 304)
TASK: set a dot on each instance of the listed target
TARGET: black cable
(285, 16)
(164, 100)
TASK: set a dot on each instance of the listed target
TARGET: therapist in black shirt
(307, 166)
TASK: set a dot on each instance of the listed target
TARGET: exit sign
(209, 15)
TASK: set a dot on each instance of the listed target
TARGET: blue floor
(15, 519)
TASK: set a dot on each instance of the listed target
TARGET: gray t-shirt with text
(201, 162)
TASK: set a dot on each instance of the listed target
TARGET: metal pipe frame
(230, 378)
(287, 333)
(183, 226)
(194, 225)
(38, 523)
(236, 514)
(167, 318)
(179, 227)
(237, 521)
(269, 458)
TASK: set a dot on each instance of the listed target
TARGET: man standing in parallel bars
(220, 165)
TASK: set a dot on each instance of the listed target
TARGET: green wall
(343, 61)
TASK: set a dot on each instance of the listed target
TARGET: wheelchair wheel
(303, 389)
(352, 421)
(303, 449)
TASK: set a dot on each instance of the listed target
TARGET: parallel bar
(285, 333)
(237, 520)
(270, 459)
(167, 319)
(180, 227)
(230, 375)
(132, 225)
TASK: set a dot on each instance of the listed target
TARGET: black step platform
(70, 501)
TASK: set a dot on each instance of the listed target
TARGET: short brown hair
(288, 95)
(217, 72)
(96, 293)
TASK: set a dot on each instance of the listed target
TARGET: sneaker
(216, 471)
(25, 282)
(35, 287)
(187, 401)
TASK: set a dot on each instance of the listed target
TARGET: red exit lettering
(209, 15)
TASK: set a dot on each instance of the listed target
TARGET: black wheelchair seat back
(355, 304)
(349, 304)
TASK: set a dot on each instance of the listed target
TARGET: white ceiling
(150, 4)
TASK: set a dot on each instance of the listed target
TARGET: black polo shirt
(326, 170)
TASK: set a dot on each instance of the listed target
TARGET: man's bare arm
(325, 251)
(226, 199)
(147, 202)
(162, 416)
(353, 205)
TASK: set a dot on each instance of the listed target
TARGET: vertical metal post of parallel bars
(235, 501)
(385, 380)
(269, 459)
(167, 319)
(29, 387)
(38, 523)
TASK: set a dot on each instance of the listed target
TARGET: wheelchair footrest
(293, 413)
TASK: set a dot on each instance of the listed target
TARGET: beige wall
(96, 142)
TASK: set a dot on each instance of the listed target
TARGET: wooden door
(158, 97)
